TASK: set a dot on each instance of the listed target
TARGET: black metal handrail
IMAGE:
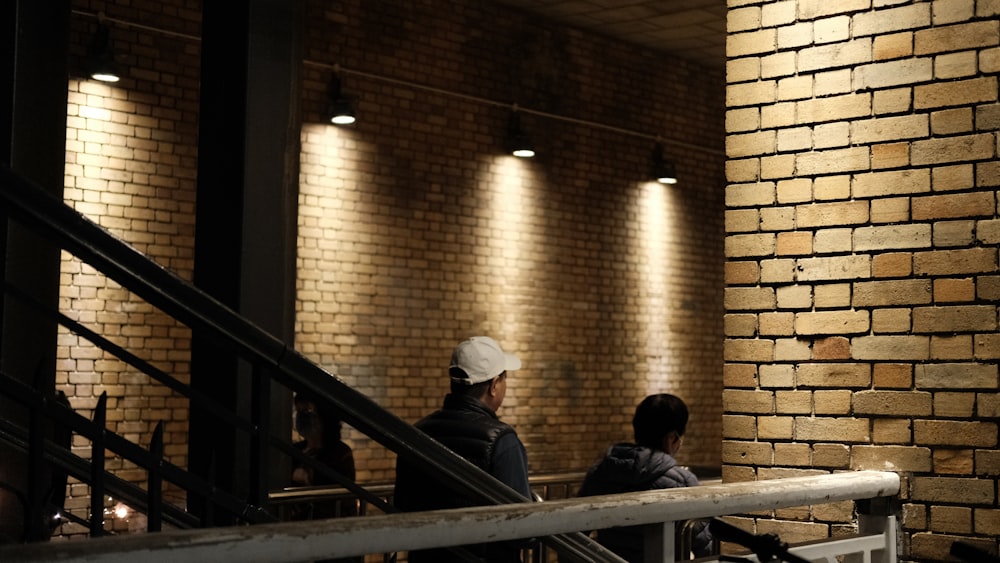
(180, 299)
(151, 504)
(102, 438)
(194, 396)
(565, 481)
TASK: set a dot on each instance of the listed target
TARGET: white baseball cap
(480, 359)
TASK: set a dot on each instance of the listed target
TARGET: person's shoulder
(681, 476)
(340, 447)
(430, 418)
(501, 424)
(687, 473)
(506, 433)
(626, 449)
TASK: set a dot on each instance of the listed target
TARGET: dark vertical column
(33, 68)
(218, 232)
(246, 221)
(269, 273)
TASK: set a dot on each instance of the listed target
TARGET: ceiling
(690, 29)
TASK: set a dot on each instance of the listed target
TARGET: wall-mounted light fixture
(518, 141)
(101, 56)
(341, 106)
(663, 170)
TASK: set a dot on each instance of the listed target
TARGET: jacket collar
(466, 403)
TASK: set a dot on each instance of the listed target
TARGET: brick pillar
(862, 273)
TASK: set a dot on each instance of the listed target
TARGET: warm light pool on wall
(663, 170)
(341, 105)
(101, 56)
(518, 141)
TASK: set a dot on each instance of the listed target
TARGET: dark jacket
(338, 457)
(467, 427)
(629, 468)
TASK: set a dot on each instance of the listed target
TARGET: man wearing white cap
(468, 425)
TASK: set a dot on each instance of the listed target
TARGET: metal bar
(79, 469)
(97, 467)
(863, 546)
(208, 514)
(365, 494)
(260, 418)
(561, 481)
(154, 488)
(36, 449)
(877, 516)
(343, 537)
(196, 397)
(160, 287)
(658, 542)
(134, 453)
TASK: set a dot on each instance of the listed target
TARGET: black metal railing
(92, 471)
(270, 357)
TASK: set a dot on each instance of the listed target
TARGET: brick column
(862, 273)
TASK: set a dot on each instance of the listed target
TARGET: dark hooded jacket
(628, 468)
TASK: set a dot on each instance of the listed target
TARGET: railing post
(36, 447)
(208, 514)
(154, 488)
(62, 436)
(877, 516)
(259, 439)
(659, 541)
(97, 468)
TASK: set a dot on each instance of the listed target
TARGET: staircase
(45, 439)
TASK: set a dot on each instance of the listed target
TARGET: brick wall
(416, 231)
(131, 161)
(862, 264)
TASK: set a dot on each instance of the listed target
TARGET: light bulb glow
(105, 77)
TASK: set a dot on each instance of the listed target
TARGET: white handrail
(341, 537)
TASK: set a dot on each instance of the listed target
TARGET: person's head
(660, 422)
(479, 369)
(315, 420)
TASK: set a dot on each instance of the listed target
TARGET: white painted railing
(341, 537)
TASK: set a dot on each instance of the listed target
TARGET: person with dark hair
(467, 424)
(658, 426)
(321, 432)
(320, 429)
